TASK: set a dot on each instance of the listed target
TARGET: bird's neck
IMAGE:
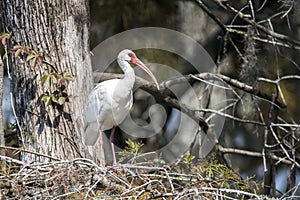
(129, 76)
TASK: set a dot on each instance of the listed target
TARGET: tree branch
(28, 151)
(233, 82)
(160, 96)
(212, 16)
(281, 37)
(225, 150)
(290, 42)
(165, 96)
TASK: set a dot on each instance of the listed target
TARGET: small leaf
(61, 100)
(46, 80)
(18, 52)
(47, 102)
(5, 35)
(56, 76)
(16, 47)
(46, 94)
(188, 158)
(33, 62)
(67, 76)
(54, 98)
(46, 99)
(25, 49)
(30, 57)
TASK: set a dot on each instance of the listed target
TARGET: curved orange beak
(139, 63)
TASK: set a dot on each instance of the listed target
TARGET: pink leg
(111, 139)
(102, 162)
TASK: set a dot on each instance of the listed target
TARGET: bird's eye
(130, 54)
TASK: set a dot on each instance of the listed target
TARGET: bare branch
(233, 82)
(251, 153)
(162, 95)
(288, 40)
(213, 16)
(27, 151)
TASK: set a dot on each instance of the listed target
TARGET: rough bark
(59, 29)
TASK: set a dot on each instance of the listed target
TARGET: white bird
(110, 101)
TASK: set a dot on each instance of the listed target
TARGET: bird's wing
(91, 121)
(108, 104)
(94, 104)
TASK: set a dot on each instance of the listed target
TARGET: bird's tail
(91, 134)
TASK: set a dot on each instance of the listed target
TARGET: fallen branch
(81, 178)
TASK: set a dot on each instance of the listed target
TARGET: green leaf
(46, 80)
(30, 57)
(16, 47)
(33, 62)
(188, 158)
(55, 76)
(54, 98)
(61, 100)
(5, 35)
(46, 99)
(18, 52)
(66, 77)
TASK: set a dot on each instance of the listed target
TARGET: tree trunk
(56, 33)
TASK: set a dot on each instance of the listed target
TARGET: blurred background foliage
(109, 17)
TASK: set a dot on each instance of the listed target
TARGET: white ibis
(110, 102)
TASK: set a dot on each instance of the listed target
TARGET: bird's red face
(132, 56)
(139, 63)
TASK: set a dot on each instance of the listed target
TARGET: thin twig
(28, 151)
(251, 153)
(290, 41)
